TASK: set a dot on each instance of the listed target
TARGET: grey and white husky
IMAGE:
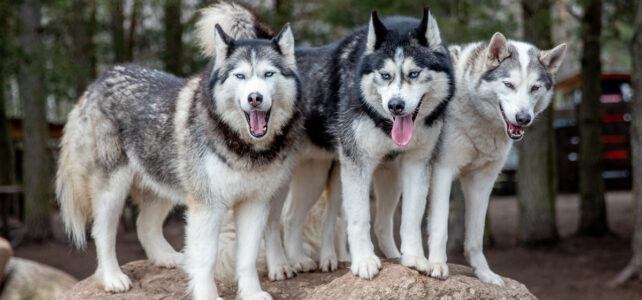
(222, 139)
(501, 87)
(374, 101)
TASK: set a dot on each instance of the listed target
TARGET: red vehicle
(616, 103)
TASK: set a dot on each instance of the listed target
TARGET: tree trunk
(172, 56)
(635, 265)
(131, 38)
(91, 33)
(36, 160)
(7, 173)
(83, 46)
(593, 215)
(536, 175)
(117, 30)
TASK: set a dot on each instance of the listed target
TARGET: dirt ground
(576, 268)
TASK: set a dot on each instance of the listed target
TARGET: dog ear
(497, 49)
(222, 42)
(552, 59)
(376, 32)
(428, 30)
(285, 42)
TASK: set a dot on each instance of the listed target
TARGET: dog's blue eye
(240, 76)
(509, 85)
(385, 76)
(269, 74)
(414, 74)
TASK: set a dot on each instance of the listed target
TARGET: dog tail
(236, 20)
(71, 188)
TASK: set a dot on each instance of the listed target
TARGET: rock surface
(26, 279)
(393, 282)
(5, 253)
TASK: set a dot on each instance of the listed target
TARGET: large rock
(5, 254)
(393, 282)
(26, 279)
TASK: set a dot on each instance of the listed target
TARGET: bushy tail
(71, 178)
(237, 21)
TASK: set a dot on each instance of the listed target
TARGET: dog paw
(114, 282)
(366, 266)
(168, 260)
(489, 276)
(203, 291)
(281, 272)
(258, 296)
(417, 262)
(438, 270)
(303, 264)
(328, 263)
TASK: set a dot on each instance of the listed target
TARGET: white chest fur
(231, 186)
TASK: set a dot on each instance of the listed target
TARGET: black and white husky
(374, 102)
(222, 139)
(501, 87)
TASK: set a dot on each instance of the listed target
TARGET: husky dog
(222, 139)
(384, 111)
(501, 87)
(374, 98)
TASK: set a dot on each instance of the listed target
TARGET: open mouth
(258, 122)
(513, 131)
(403, 127)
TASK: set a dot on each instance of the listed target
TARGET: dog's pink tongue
(257, 122)
(402, 130)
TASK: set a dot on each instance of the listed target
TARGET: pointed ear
(376, 31)
(285, 42)
(552, 59)
(428, 30)
(222, 43)
(497, 49)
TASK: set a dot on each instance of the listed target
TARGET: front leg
(442, 178)
(278, 267)
(415, 181)
(251, 217)
(355, 184)
(477, 187)
(201, 246)
(307, 185)
(328, 257)
(387, 187)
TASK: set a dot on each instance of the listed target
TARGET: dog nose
(522, 118)
(255, 99)
(396, 106)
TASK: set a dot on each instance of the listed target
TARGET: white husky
(501, 86)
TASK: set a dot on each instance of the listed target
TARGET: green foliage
(459, 21)
(315, 22)
(616, 32)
